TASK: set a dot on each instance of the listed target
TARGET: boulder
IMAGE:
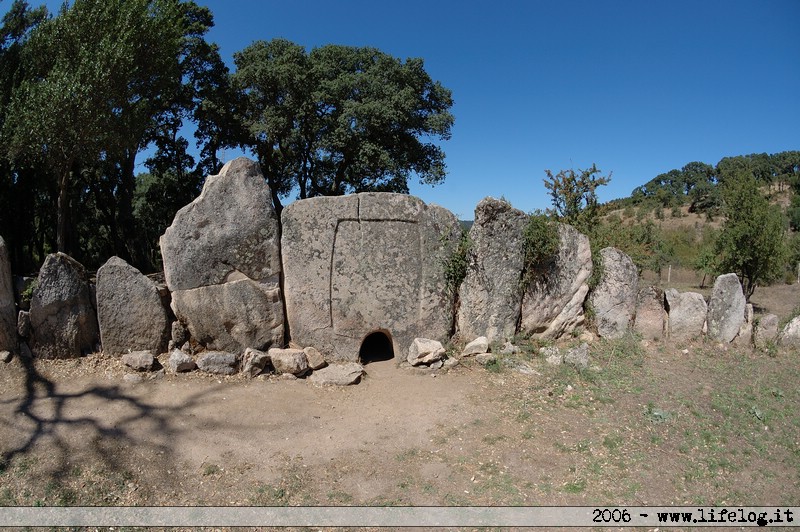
(218, 362)
(553, 302)
(338, 374)
(363, 263)
(614, 298)
(686, 315)
(651, 316)
(292, 361)
(552, 355)
(229, 232)
(63, 320)
(790, 335)
(254, 362)
(490, 295)
(315, 358)
(726, 308)
(476, 347)
(232, 316)
(509, 349)
(139, 360)
(180, 362)
(129, 310)
(8, 311)
(765, 331)
(425, 351)
(222, 263)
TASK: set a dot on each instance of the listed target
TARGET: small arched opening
(376, 347)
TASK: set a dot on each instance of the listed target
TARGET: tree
(339, 119)
(574, 195)
(752, 242)
(101, 79)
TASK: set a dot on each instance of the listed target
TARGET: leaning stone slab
(765, 331)
(553, 302)
(726, 308)
(129, 310)
(8, 312)
(232, 316)
(686, 315)
(490, 295)
(651, 316)
(139, 360)
(292, 361)
(614, 298)
(338, 374)
(63, 319)
(363, 263)
(24, 323)
(790, 335)
(476, 347)
(425, 351)
(229, 232)
(218, 363)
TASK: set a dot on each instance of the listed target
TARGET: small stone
(451, 363)
(578, 357)
(484, 359)
(437, 365)
(218, 362)
(157, 376)
(314, 358)
(552, 355)
(254, 362)
(139, 360)
(425, 351)
(338, 374)
(292, 361)
(24, 323)
(509, 349)
(6, 356)
(180, 362)
(476, 347)
(132, 378)
(287, 377)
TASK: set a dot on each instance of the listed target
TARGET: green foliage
(644, 242)
(540, 243)
(574, 195)
(339, 119)
(752, 242)
(455, 266)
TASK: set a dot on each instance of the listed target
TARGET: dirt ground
(648, 423)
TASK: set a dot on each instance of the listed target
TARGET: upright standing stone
(614, 298)
(491, 296)
(553, 303)
(790, 335)
(686, 315)
(8, 313)
(366, 263)
(651, 316)
(765, 331)
(63, 319)
(222, 262)
(726, 308)
(129, 310)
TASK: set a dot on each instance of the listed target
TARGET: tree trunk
(62, 210)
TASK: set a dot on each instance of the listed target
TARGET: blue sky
(637, 87)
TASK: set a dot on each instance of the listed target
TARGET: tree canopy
(338, 119)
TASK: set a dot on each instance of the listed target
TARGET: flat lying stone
(338, 374)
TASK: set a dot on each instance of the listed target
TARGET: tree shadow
(45, 417)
